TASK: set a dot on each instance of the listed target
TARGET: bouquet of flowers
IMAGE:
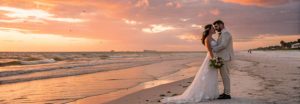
(216, 62)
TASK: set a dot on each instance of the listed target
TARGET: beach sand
(257, 78)
(158, 74)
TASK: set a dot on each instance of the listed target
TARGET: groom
(224, 49)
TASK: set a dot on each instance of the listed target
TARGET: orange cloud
(197, 26)
(126, 24)
(215, 12)
(258, 2)
(108, 8)
(131, 22)
(90, 19)
(188, 37)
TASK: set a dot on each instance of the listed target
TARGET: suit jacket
(224, 48)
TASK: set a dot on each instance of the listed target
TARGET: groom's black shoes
(224, 96)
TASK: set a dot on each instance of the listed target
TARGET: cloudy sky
(135, 25)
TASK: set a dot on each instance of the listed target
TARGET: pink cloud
(157, 28)
(142, 3)
(174, 4)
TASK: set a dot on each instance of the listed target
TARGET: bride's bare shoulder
(208, 40)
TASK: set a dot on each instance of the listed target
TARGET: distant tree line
(283, 46)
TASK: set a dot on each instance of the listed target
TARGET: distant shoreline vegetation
(293, 45)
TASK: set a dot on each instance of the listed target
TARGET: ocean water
(41, 77)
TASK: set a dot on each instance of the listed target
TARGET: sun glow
(33, 15)
(137, 25)
(22, 40)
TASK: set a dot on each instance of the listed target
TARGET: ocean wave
(34, 70)
(44, 61)
(19, 62)
(76, 70)
(10, 63)
(71, 64)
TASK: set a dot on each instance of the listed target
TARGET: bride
(205, 85)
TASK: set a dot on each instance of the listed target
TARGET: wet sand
(160, 73)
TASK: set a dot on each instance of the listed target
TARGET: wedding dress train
(203, 88)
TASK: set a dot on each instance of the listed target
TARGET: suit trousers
(224, 71)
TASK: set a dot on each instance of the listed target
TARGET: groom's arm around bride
(225, 39)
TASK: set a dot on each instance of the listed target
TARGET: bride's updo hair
(206, 32)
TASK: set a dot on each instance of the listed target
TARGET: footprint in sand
(296, 88)
(174, 94)
(162, 95)
(293, 79)
(269, 66)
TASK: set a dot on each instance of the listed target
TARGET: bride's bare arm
(208, 47)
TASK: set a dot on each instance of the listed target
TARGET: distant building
(296, 45)
(150, 51)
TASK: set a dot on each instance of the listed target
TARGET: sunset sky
(135, 25)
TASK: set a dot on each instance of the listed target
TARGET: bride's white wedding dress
(203, 88)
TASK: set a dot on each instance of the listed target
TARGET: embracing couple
(205, 84)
